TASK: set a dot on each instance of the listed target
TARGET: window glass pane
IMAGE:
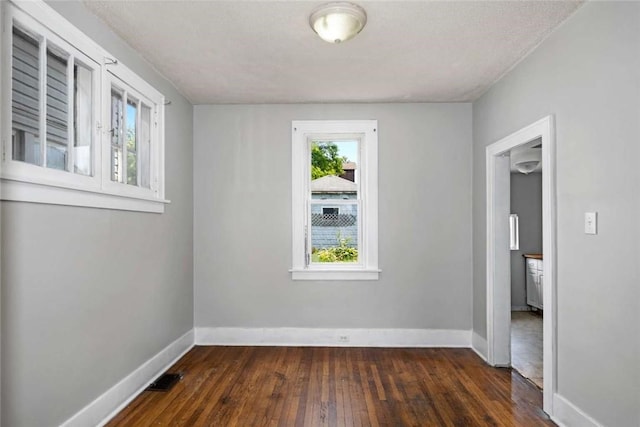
(117, 117)
(334, 233)
(145, 147)
(132, 143)
(57, 111)
(334, 228)
(83, 137)
(25, 98)
(334, 169)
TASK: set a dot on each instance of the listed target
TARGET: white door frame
(498, 276)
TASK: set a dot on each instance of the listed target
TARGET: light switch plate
(590, 223)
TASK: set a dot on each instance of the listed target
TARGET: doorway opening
(527, 270)
(499, 244)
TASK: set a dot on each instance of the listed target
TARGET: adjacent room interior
(294, 218)
(527, 271)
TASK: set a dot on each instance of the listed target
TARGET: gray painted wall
(242, 164)
(88, 295)
(526, 201)
(587, 74)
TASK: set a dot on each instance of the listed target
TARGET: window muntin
(317, 197)
(56, 126)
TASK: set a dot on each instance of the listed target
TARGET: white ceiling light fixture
(338, 22)
(526, 160)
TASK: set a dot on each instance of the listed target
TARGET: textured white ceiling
(219, 52)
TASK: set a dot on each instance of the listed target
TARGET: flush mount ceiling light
(526, 160)
(338, 22)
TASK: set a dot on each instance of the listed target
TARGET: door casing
(499, 270)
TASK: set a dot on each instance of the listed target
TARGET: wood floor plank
(296, 386)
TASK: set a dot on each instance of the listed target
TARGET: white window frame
(514, 232)
(122, 79)
(21, 181)
(366, 132)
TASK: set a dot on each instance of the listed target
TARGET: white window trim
(367, 133)
(25, 182)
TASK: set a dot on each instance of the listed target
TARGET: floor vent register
(165, 382)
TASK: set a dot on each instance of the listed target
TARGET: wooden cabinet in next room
(534, 279)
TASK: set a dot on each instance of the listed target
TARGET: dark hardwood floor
(298, 386)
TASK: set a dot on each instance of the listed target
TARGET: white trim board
(311, 337)
(107, 405)
(479, 345)
(566, 414)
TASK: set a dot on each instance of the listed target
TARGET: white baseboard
(479, 345)
(520, 308)
(566, 414)
(106, 406)
(310, 337)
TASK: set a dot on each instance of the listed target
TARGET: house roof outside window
(333, 184)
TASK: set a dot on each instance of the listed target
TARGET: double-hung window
(78, 127)
(335, 214)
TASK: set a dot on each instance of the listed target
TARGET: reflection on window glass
(132, 143)
(83, 138)
(117, 118)
(57, 111)
(25, 98)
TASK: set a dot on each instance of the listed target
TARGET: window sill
(306, 274)
(21, 191)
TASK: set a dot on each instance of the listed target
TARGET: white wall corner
(333, 337)
(107, 405)
(566, 414)
(479, 345)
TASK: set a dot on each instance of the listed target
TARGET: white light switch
(590, 223)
